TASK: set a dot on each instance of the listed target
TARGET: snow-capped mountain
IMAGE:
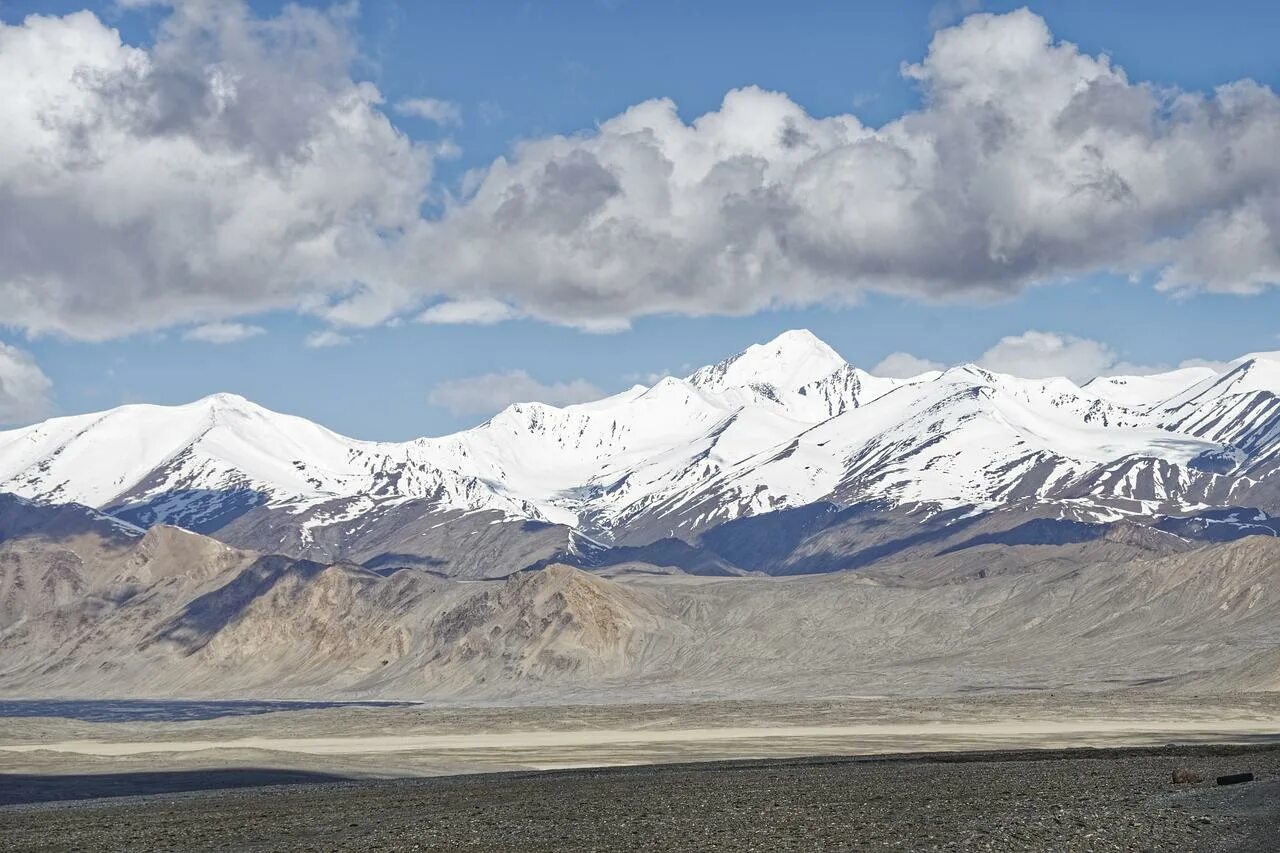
(780, 425)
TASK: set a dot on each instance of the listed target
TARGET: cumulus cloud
(233, 167)
(1036, 355)
(24, 389)
(237, 166)
(904, 365)
(491, 392)
(431, 109)
(222, 333)
(1029, 161)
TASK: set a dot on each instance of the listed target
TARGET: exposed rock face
(309, 621)
(547, 625)
(51, 555)
(170, 552)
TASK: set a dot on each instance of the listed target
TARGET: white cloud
(24, 389)
(327, 338)
(233, 167)
(904, 365)
(484, 395)
(480, 312)
(1029, 161)
(222, 333)
(1037, 355)
(431, 109)
(236, 166)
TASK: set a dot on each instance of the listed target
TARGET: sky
(394, 218)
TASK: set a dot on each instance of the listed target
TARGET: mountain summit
(789, 361)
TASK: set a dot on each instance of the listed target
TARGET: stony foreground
(1064, 800)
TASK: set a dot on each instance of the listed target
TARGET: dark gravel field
(1112, 799)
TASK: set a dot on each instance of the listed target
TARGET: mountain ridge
(213, 621)
(781, 425)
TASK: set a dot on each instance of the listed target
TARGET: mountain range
(91, 607)
(786, 445)
(778, 524)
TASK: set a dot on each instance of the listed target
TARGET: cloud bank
(1028, 162)
(237, 166)
(24, 389)
(233, 167)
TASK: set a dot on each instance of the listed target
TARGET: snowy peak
(796, 374)
(788, 362)
(227, 401)
(218, 443)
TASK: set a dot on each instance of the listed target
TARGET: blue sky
(532, 70)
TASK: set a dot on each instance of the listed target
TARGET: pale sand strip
(913, 735)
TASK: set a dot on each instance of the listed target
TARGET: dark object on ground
(1186, 776)
(1235, 778)
(1067, 801)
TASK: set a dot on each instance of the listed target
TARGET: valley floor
(1077, 800)
(1062, 771)
(417, 740)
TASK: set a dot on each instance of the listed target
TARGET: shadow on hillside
(21, 518)
(1037, 531)
(208, 614)
(390, 562)
(25, 788)
(197, 510)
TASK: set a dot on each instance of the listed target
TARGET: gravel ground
(1111, 799)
